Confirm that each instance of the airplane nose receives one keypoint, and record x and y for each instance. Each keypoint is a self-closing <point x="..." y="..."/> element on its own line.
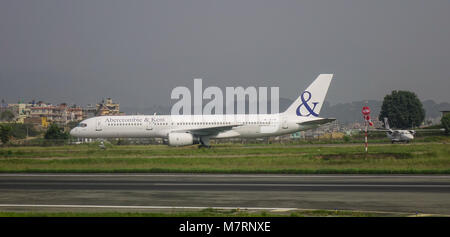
<point x="72" y="132"/>
<point x="409" y="137"/>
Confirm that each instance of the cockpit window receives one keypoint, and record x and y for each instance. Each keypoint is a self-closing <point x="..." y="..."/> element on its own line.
<point x="83" y="125"/>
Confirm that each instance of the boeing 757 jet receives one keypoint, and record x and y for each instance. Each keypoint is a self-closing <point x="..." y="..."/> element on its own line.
<point x="184" y="130"/>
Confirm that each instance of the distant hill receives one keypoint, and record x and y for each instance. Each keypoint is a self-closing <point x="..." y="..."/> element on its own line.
<point x="433" y="110"/>
<point x="343" y="112"/>
<point x="351" y="112"/>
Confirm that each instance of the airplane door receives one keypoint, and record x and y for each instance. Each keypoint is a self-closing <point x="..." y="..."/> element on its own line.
<point x="98" y="124"/>
<point x="284" y="124"/>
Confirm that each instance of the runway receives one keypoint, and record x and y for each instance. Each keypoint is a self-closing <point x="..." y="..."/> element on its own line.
<point x="140" y="192"/>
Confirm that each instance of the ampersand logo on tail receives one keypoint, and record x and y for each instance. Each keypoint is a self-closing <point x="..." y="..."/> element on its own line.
<point x="306" y="105"/>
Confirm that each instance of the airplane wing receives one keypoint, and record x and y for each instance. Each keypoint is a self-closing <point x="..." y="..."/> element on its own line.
<point x="413" y="130"/>
<point x="317" y="121"/>
<point x="380" y="130"/>
<point x="209" y="131"/>
<point x="430" y="130"/>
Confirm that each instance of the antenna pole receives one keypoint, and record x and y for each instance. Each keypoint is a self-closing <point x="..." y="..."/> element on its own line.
<point x="367" y="122"/>
<point x="365" y="138"/>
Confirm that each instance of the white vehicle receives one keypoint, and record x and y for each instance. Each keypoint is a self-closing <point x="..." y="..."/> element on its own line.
<point x="184" y="130"/>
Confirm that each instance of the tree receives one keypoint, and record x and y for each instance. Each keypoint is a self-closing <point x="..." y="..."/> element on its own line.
<point x="7" y="116"/>
<point x="55" y="132"/>
<point x="5" y="133"/>
<point x="403" y="109"/>
<point x="445" y="121"/>
<point x="21" y="131"/>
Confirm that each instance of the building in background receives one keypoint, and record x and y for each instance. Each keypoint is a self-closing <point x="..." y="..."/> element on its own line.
<point x="45" y="113"/>
<point x="38" y="123"/>
<point x="41" y="113"/>
<point x="89" y="111"/>
<point x="108" y="108"/>
<point x="20" y="111"/>
<point x="104" y="108"/>
<point x="75" y="113"/>
<point x="3" y="106"/>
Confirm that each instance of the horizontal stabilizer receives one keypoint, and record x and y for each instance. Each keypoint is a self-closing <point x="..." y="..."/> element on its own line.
<point x="318" y="121"/>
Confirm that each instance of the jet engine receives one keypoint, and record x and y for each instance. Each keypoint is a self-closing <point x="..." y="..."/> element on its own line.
<point x="182" y="139"/>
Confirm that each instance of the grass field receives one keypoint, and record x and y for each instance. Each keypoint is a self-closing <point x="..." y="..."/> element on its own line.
<point x="427" y="158"/>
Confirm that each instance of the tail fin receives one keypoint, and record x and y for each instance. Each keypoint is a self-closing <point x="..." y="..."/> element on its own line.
<point x="311" y="100"/>
<point x="386" y="123"/>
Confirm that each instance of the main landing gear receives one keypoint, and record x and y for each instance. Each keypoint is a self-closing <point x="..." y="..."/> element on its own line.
<point x="204" y="143"/>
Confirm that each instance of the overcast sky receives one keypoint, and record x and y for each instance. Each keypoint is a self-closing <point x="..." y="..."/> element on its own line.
<point x="137" y="51"/>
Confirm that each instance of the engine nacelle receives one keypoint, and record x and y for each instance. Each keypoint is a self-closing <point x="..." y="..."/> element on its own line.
<point x="182" y="139"/>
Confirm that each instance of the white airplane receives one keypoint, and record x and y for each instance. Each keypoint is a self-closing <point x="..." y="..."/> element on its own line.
<point x="398" y="135"/>
<point x="184" y="130"/>
<point x="404" y="135"/>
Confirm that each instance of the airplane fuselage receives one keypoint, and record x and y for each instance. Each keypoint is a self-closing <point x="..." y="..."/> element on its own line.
<point x="182" y="130"/>
<point x="400" y="135"/>
<point x="141" y="126"/>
